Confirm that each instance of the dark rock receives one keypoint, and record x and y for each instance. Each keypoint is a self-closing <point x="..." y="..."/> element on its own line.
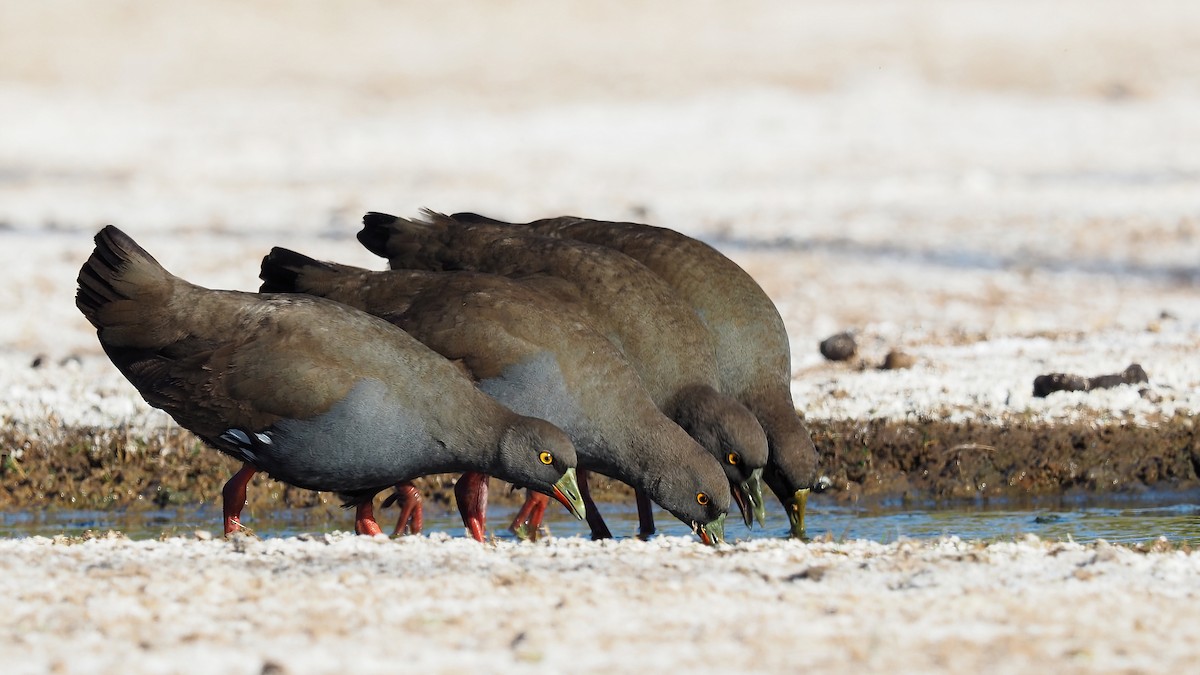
<point x="1043" y="385"/>
<point x="839" y="347"/>
<point x="1134" y="374"/>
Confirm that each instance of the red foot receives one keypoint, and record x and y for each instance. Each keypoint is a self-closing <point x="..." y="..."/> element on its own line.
<point x="471" y="491"/>
<point x="412" y="513"/>
<point x="364" y="520"/>
<point x="645" y="515"/>
<point x="234" y="497"/>
<point x="529" y="518"/>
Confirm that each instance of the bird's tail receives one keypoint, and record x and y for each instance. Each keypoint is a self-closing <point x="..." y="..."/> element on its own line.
<point x="377" y="231"/>
<point x="286" y="271"/>
<point x="119" y="287"/>
<point x="418" y="243"/>
<point x="476" y="219"/>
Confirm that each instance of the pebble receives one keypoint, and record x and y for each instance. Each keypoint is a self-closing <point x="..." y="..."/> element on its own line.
<point x="840" y="347"/>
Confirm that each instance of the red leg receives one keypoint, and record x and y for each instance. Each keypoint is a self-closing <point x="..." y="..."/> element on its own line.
<point x="364" y="520"/>
<point x="599" y="528"/>
<point x="412" y="513"/>
<point x="523" y="525"/>
<point x="538" y="514"/>
<point x="645" y="515"/>
<point x="471" y="492"/>
<point x="234" y="497"/>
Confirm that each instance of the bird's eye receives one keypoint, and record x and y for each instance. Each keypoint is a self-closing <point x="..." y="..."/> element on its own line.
<point x="701" y="499"/>
<point x="546" y="458"/>
<point x="733" y="458"/>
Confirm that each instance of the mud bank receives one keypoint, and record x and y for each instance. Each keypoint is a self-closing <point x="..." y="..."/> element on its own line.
<point x="88" y="468"/>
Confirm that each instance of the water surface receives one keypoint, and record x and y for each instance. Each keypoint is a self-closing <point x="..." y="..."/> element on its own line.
<point x="1126" y="519"/>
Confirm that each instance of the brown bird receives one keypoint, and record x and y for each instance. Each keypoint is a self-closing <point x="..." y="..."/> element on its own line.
<point x="752" y="348"/>
<point x="315" y="393"/>
<point x="537" y="356"/>
<point x="659" y="335"/>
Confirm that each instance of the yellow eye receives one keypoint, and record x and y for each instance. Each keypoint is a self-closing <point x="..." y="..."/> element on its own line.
<point x="733" y="458"/>
<point x="546" y="457"/>
<point x="701" y="499"/>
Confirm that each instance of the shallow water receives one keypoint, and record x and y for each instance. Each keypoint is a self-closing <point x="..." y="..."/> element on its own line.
<point x="1127" y="519"/>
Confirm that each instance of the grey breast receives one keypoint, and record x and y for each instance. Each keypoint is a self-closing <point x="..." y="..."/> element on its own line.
<point x="537" y="387"/>
<point x="365" y="440"/>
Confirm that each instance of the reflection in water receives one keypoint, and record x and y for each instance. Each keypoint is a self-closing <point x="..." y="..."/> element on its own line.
<point x="1126" y="519"/>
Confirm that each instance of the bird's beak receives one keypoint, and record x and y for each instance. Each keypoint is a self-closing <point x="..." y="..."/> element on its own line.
<point x="566" y="490"/>
<point x="796" y="507"/>
<point x="753" y="489"/>
<point x="748" y="495"/>
<point x="713" y="533"/>
<point x="738" y="490"/>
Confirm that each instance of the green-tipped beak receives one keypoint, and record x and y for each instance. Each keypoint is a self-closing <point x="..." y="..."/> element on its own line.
<point x="796" y="507"/>
<point x="752" y="486"/>
<point x="713" y="533"/>
<point x="566" y="490"/>
<point x="748" y="497"/>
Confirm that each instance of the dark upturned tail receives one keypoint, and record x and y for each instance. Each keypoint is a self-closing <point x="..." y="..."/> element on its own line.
<point x="282" y="269"/>
<point x="118" y="287"/>
<point x="377" y="230"/>
<point x="476" y="219"/>
<point x="417" y="243"/>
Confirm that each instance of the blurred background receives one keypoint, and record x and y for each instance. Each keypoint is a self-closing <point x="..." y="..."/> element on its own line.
<point x="258" y="114"/>
<point x="940" y="167"/>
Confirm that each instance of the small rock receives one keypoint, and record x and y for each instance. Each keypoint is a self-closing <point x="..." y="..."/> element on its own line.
<point x="38" y="361"/>
<point x="839" y="347"/>
<point x="202" y="535"/>
<point x="1134" y="374"/>
<point x="1044" y="385"/>
<point x="898" y="360"/>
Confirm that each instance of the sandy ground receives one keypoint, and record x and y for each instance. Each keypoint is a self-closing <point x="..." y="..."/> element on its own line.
<point x="449" y="605"/>
<point x="1001" y="189"/>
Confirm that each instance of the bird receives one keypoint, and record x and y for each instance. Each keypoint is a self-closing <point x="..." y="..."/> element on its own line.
<point x="314" y="393"/>
<point x="538" y="356"/>
<point x="661" y="337"/>
<point x="752" y="346"/>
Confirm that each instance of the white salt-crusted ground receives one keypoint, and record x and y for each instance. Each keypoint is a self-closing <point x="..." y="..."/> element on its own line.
<point x="1001" y="189"/>
<point x="344" y="603"/>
